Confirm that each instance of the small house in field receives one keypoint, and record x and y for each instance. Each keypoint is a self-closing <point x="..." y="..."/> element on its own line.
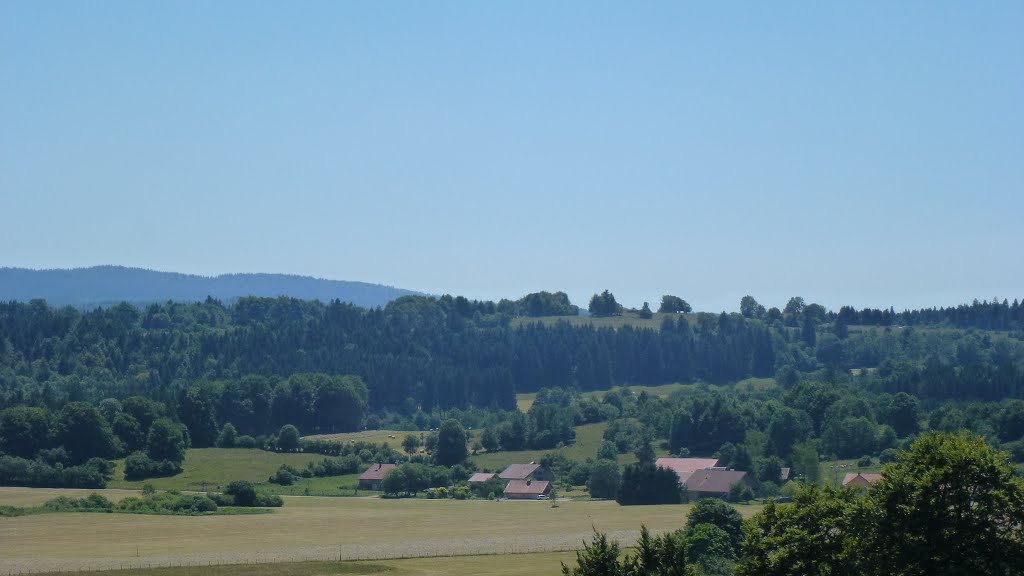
<point x="860" y="480"/>
<point x="373" y="478"/>
<point x="684" y="467"/>
<point x="713" y="482"/>
<point x="480" y="477"/>
<point x="529" y="471"/>
<point x="527" y="489"/>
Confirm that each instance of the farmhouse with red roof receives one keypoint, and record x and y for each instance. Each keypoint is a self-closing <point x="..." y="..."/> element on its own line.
<point x="713" y="482"/>
<point x="521" y="472"/>
<point x="860" y="480"/>
<point x="373" y="477"/>
<point x="527" y="489"/>
<point x="684" y="467"/>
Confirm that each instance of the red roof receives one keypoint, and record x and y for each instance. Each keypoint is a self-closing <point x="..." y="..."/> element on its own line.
<point x="518" y="471"/>
<point x="481" y="477"/>
<point x="683" y="467"/>
<point x="377" y="472"/>
<point x="529" y="487"/>
<point x="713" y="481"/>
<point x="861" y="479"/>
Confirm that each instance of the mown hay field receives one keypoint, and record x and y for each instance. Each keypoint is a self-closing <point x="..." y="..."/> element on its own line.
<point x="540" y="564"/>
<point x="310" y="528"/>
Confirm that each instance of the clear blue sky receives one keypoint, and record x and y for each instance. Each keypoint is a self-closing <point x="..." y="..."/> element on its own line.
<point x="869" y="153"/>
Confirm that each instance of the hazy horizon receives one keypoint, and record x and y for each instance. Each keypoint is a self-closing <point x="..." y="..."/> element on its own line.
<point x="581" y="301"/>
<point x="862" y="154"/>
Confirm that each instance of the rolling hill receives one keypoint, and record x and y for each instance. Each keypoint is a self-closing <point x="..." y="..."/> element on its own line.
<point x="105" y="285"/>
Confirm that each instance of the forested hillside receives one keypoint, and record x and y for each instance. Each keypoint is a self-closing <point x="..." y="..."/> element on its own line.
<point x="126" y="377"/>
<point x="110" y="285"/>
<point x="451" y="352"/>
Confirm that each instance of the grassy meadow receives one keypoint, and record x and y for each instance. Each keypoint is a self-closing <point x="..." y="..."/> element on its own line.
<point x="207" y="468"/>
<point x="588" y="441"/>
<point x="616" y="322"/>
<point x="311" y="528"/>
<point x="391" y="437"/>
<point x="525" y="400"/>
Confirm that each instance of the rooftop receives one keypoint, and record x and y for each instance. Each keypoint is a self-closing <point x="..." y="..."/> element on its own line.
<point x="532" y="487"/>
<point x="377" y="472"/>
<point x="713" y="481"/>
<point x="683" y="467"/>
<point x="864" y="478"/>
<point x="518" y="471"/>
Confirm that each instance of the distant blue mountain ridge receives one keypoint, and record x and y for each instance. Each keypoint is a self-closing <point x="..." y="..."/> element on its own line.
<point x="107" y="285"/>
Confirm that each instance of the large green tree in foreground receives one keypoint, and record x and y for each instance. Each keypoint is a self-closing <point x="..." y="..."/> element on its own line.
<point x="950" y="505"/>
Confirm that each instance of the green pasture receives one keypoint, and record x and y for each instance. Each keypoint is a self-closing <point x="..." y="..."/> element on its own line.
<point x="207" y="468"/>
<point x="346" y="485"/>
<point x="616" y="322"/>
<point x="588" y="441"/>
<point x="525" y="400"/>
<point x="391" y="437"/>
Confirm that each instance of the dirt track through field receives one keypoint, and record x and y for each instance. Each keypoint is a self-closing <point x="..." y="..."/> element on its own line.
<point x="317" y="528"/>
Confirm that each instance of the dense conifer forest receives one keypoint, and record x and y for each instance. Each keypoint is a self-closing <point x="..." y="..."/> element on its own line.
<point x="450" y="352"/>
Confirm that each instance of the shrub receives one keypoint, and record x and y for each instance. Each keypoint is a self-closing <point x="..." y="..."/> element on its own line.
<point x="228" y="436"/>
<point x="888" y="455"/>
<point x="288" y="438"/>
<point x="740" y="492"/>
<point x="335" y="466"/>
<point x="866" y="461"/>
<point x="38" y="474"/>
<point x="284" y="476"/>
<point x="491" y="489"/>
<point x="194" y="504"/>
<point x="138" y="466"/>
<point x="768" y="490"/>
<point x="245" y="442"/>
<point x="221" y="499"/>
<point x="243" y="493"/>
<point x="268" y="500"/>
<point x="171" y="502"/>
